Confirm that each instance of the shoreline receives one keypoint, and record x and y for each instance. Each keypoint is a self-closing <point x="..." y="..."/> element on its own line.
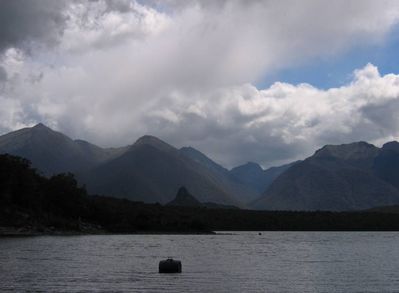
<point x="26" y="232"/>
<point x="6" y="232"/>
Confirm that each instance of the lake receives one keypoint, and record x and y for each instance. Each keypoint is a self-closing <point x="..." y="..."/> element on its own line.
<point x="231" y="262"/>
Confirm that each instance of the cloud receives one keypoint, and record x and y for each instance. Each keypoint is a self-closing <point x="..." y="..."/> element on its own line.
<point x="114" y="70"/>
<point x="3" y="75"/>
<point x="24" y="22"/>
<point x="100" y="24"/>
<point x="283" y="122"/>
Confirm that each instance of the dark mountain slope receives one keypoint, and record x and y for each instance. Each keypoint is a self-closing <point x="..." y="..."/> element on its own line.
<point x="252" y="175"/>
<point x="202" y="159"/>
<point x="52" y="152"/>
<point x="49" y="151"/>
<point x="386" y="164"/>
<point x="152" y="171"/>
<point x="97" y="154"/>
<point x="335" y="178"/>
<point x="358" y="154"/>
<point x="240" y="190"/>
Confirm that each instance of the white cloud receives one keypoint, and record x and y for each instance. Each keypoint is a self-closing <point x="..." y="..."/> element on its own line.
<point x="121" y="69"/>
<point x="284" y="121"/>
<point x="99" y="24"/>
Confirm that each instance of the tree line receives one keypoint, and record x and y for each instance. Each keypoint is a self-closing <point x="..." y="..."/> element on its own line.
<point x="31" y="201"/>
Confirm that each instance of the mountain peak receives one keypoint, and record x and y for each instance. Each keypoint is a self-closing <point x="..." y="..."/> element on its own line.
<point x="154" y="142"/>
<point x="184" y="198"/>
<point x="40" y="126"/>
<point x="41" y="129"/>
<point x="183" y="192"/>
<point x="355" y="150"/>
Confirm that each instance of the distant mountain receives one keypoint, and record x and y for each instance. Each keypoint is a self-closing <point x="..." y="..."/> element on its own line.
<point x="335" y="178"/>
<point x="252" y="175"/>
<point x="151" y="171"/>
<point x="353" y="176"/>
<point x="53" y="152"/>
<point x="239" y="189"/>
<point x="98" y="154"/>
<point x="358" y="154"/>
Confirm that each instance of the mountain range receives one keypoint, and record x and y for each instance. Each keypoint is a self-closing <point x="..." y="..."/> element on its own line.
<point x="149" y="170"/>
<point x="52" y="152"/>
<point x="337" y="177"/>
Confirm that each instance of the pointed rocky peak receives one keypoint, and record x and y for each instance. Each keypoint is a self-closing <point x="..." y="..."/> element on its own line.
<point x="392" y="146"/>
<point x="21" y="137"/>
<point x="40" y="126"/>
<point x="41" y="131"/>
<point x="154" y="142"/>
<point x="183" y="193"/>
<point x="184" y="198"/>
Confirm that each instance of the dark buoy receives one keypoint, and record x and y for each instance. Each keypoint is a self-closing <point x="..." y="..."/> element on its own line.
<point x="169" y="266"/>
<point x="259" y="233"/>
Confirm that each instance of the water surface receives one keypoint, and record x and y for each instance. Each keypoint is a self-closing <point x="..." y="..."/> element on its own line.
<point x="240" y="262"/>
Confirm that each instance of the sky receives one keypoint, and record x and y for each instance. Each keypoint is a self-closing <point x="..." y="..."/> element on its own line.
<point x="263" y="81"/>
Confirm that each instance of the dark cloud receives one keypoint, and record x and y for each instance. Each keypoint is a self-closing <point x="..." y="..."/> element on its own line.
<point x="22" y="22"/>
<point x="122" y="6"/>
<point x="3" y="74"/>
<point x="383" y="115"/>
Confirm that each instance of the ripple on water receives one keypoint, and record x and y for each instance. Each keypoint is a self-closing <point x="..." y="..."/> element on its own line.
<point x="230" y="262"/>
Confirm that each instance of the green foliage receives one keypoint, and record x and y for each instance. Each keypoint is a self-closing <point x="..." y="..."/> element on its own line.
<point x="64" y="197"/>
<point x="27" y="198"/>
<point x="19" y="183"/>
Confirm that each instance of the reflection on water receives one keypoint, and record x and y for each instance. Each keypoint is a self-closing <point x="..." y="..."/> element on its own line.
<point x="241" y="262"/>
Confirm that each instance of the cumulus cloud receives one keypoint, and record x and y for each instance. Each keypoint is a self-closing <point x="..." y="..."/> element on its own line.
<point x="102" y="24"/>
<point x="185" y="71"/>
<point x="283" y="122"/>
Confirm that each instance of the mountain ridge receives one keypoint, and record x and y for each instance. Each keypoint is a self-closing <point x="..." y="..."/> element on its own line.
<point x="349" y="176"/>
<point x="53" y="152"/>
<point x="337" y="178"/>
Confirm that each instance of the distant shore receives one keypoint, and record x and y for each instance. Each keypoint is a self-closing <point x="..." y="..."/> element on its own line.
<point x="27" y="231"/>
